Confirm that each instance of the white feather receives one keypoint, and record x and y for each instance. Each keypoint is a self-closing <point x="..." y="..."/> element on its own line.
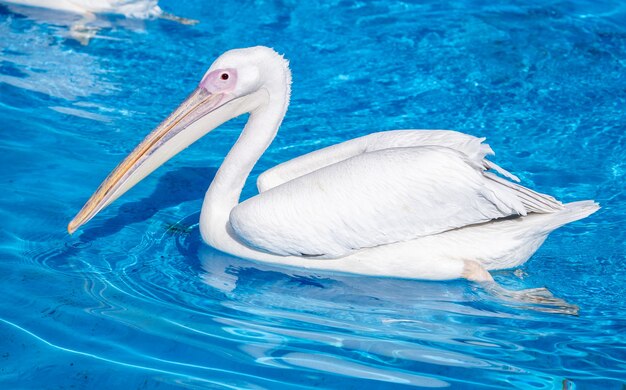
<point x="132" y="8"/>
<point x="469" y="145"/>
<point x="376" y="198"/>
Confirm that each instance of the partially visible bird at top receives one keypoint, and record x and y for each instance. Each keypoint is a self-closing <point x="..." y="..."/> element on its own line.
<point x="83" y="29"/>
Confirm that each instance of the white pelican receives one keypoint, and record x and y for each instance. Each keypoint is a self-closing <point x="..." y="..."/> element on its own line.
<point x="83" y="28"/>
<point x="418" y="204"/>
<point x="141" y="9"/>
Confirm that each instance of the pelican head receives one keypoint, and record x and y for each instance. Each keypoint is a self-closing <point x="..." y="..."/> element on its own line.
<point x="238" y="82"/>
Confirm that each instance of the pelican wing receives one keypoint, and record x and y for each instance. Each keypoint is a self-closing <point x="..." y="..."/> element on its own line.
<point x="380" y="197"/>
<point x="472" y="147"/>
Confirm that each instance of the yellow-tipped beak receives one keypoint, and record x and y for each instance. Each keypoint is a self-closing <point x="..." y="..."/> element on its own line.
<point x="183" y="127"/>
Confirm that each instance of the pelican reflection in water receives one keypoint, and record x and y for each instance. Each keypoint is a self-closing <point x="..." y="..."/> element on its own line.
<point x="419" y="204"/>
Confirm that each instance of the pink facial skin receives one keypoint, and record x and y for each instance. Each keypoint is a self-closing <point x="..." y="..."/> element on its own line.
<point x="220" y="81"/>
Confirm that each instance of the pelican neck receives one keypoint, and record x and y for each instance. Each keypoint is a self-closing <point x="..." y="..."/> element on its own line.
<point x="225" y="190"/>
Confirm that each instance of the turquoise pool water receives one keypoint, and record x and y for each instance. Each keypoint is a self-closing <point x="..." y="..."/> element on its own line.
<point x="135" y="300"/>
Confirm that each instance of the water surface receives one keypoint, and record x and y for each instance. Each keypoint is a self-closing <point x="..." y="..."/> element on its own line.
<point x="134" y="299"/>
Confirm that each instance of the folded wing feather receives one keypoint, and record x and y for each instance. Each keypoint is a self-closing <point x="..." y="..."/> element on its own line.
<point x="382" y="192"/>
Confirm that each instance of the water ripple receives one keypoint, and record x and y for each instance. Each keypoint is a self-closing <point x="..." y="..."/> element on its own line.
<point x="136" y="300"/>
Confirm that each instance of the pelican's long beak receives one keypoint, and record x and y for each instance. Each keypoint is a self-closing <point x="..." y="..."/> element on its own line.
<point x="200" y="113"/>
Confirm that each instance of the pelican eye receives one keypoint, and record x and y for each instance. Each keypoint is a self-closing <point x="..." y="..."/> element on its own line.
<point x="224" y="76"/>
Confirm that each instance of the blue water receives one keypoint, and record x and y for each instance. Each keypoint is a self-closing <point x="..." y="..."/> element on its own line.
<point x="135" y="300"/>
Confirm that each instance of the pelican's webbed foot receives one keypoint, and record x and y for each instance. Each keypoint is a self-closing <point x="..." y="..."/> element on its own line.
<point x="540" y="299"/>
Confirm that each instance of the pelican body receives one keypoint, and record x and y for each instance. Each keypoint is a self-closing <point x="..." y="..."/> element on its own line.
<point x="420" y="204"/>
<point x="136" y="9"/>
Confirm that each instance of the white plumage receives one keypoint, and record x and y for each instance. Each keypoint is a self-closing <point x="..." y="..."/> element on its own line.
<point x="406" y="203"/>
<point x="81" y="16"/>
<point x="372" y="199"/>
<point x="132" y="8"/>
